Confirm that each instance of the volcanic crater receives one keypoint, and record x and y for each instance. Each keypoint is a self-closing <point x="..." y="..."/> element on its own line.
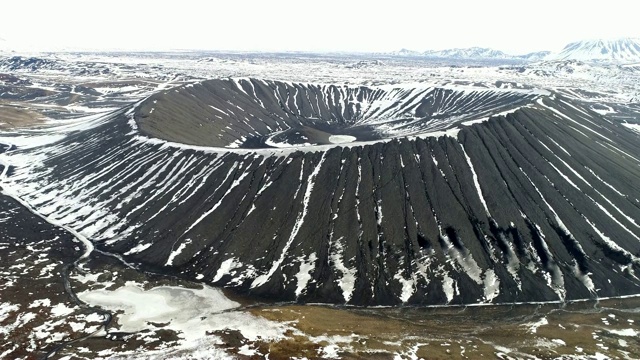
<point x="254" y="113"/>
<point x="387" y="195"/>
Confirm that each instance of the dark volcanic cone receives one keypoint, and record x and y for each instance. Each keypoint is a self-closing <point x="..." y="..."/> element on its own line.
<point x="425" y="206"/>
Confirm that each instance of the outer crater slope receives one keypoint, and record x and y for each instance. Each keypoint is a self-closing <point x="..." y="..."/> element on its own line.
<point x="447" y="196"/>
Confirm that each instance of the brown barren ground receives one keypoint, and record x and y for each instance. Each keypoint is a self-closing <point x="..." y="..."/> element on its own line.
<point x="15" y="116"/>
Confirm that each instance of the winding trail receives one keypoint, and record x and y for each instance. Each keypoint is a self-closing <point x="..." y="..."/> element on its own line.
<point x="108" y="316"/>
<point x="67" y="269"/>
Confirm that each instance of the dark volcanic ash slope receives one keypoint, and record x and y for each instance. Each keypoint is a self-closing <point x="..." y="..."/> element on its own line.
<point x="257" y="113"/>
<point x="538" y="204"/>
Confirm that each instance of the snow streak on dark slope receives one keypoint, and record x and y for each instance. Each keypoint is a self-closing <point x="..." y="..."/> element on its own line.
<point x="247" y="112"/>
<point x="540" y="204"/>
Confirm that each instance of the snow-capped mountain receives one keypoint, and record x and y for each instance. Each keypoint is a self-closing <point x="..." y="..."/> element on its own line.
<point x="621" y="50"/>
<point x="467" y="53"/>
<point x="472" y="53"/>
<point x="534" y="56"/>
<point x="406" y="52"/>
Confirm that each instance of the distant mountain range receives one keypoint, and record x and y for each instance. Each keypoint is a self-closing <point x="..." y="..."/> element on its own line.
<point x="624" y="50"/>
<point x="472" y="53"/>
<point x="621" y="50"/>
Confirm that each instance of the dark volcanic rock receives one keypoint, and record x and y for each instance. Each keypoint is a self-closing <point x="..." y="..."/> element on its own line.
<point x="539" y="204"/>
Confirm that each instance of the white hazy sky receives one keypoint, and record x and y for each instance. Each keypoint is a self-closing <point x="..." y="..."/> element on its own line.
<point x="329" y="25"/>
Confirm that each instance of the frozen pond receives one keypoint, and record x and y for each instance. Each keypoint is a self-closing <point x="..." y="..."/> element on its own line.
<point x="193" y="312"/>
<point x="341" y="139"/>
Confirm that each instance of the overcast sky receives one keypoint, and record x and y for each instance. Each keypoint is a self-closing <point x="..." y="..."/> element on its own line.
<point x="329" y="25"/>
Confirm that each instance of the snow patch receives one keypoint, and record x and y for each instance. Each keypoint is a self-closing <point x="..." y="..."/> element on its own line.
<point x="225" y="268"/>
<point x="348" y="280"/>
<point x="341" y="139"/>
<point x="138" y="248"/>
<point x="6" y="309"/>
<point x="533" y="327"/>
<point x="625" y="332"/>
<point x="177" y="252"/>
<point x="408" y="286"/>
<point x="491" y="285"/>
<point x="61" y="310"/>
<point x="304" y="274"/>
<point x="475" y="181"/>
